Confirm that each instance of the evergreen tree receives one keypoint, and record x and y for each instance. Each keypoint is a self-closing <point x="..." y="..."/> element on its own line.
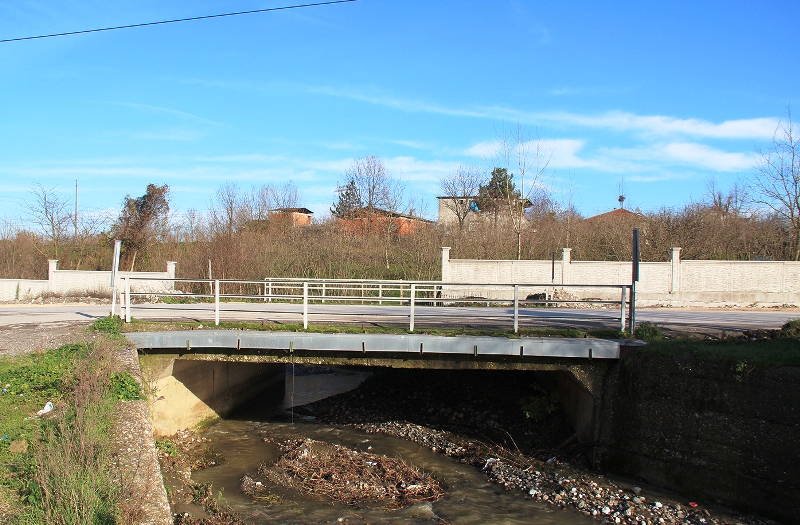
<point x="498" y="191"/>
<point x="349" y="200"/>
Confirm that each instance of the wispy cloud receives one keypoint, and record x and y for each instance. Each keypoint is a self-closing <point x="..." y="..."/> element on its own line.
<point x="167" y="111"/>
<point x="614" y="120"/>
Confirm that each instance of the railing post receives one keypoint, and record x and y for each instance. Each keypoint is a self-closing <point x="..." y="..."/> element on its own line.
<point x="632" y="321"/>
<point x="270" y="290"/>
<point x="380" y="294"/>
<point x="265" y="290"/>
<point x="127" y="299"/>
<point x="305" y="305"/>
<point x="216" y="302"/>
<point x="323" y="293"/>
<point x="411" y="303"/>
<point x="516" y="308"/>
<point x="622" y="309"/>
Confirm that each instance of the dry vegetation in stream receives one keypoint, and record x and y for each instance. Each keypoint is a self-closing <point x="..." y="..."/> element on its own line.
<point x="348" y="476"/>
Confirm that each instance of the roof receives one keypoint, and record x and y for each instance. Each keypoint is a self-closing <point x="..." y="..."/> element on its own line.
<point x="379" y="211"/>
<point x="294" y="210"/>
<point x="617" y="214"/>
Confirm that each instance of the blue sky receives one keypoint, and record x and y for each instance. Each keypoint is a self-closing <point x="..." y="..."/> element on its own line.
<point x="663" y="95"/>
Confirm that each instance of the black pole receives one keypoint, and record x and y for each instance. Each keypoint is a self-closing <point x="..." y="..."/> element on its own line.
<point x="634" y="277"/>
<point x="553" y="275"/>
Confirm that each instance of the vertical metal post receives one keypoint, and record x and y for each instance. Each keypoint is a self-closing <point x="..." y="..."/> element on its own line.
<point x="270" y="290"/>
<point x="516" y="308"/>
<point x="380" y="294"/>
<point x="127" y="299"/>
<point x="305" y="305"/>
<point x="265" y="290"/>
<point x="216" y="302"/>
<point x="634" y="277"/>
<point x="114" y="270"/>
<point x="411" y="310"/>
<point x="622" y="309"/>
<point x="323" y="293"/>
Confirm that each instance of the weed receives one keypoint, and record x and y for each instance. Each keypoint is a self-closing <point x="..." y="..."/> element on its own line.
<point x="110" y="325"/>
<point x="124" y="387"/>
<point x="648" y="332"/>
<point x="167" y="446"/>
<point x="791" y="329"/>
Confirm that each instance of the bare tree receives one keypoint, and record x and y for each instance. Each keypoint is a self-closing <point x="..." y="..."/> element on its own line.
<point x="230" y="208"/>
<point x="776" y="184"/>
<point x="49" y="214"/>
<point x="459" y="189"/>
<point x="530" y="157"/>
<point x="271" y="197"/>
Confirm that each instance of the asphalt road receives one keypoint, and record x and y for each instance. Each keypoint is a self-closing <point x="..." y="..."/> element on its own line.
<point x="677" y="319"/>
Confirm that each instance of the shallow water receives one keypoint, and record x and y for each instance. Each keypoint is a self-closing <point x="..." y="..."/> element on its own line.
<point x="469" y="497"/>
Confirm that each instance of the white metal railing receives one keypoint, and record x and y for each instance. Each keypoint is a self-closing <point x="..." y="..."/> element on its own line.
<point x="410" y="294"/>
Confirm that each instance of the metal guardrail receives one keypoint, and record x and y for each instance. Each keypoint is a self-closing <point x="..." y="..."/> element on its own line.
<point x="410" y="294"/>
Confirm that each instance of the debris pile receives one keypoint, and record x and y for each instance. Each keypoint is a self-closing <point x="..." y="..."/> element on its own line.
<point x="348" y="476"/>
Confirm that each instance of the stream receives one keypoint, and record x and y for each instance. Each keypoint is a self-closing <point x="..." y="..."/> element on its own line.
<point x="469" y="498"/>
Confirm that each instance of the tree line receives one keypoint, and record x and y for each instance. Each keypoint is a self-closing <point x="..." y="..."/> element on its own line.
<point x="244" y="234"/>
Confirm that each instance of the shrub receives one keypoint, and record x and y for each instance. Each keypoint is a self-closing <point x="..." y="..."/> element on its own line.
<point x="110" y="325"/>
<point x="648" y="332"/>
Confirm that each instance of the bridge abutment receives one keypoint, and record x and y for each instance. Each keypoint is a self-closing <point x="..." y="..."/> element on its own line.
<point x="184" y="393"/>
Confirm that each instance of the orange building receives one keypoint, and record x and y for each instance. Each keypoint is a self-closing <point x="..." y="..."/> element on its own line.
<point x="376" y="220"/>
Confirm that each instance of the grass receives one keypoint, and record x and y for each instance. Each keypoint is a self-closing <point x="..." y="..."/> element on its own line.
<point x="767" y="352"/>
<point x="148" y="326"/>
<point x="55" y="469"/>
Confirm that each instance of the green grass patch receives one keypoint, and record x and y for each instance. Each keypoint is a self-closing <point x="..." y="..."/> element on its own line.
<point x="55" y="468"/>
<point x="765" y="352"/>
<point x="109" y="325"/>
<point x="124" y="387"/>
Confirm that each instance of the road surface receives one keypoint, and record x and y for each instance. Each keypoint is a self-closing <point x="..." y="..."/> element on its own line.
<point x="675" y="319"/>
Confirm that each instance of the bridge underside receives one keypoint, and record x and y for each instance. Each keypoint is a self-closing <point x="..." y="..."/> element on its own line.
<point x="561" y="365"/>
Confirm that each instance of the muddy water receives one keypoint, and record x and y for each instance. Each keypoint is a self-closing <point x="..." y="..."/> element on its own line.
<point x="469" y="498"/>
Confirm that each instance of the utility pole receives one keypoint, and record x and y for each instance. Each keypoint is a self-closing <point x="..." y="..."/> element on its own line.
<point x="76" y="210"/>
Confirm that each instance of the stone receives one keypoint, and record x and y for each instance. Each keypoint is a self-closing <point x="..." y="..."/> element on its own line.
<point x="636" y="490"/>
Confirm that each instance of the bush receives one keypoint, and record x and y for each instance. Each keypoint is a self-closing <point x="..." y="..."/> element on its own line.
<point x="124" y="387"/>
<point x="109" y="325"/>
<point x="791" y="329"/>
<point x="648" y="332"/>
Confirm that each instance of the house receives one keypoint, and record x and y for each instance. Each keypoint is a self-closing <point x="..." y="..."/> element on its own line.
<point x="297" y="216"/>
<point x="618" y="215"/>
<point x="376" y="220"/>
<point x="466" y="207"/>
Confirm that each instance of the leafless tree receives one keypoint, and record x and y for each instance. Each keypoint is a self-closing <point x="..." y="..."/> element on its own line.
<point x="530" y="158"/>
<point x="776" y="184"/>
<point x="229" y="209"/>
<point x="48" y="212"/>
<point x="270" y="197"/>
<point x="459" y="190"/>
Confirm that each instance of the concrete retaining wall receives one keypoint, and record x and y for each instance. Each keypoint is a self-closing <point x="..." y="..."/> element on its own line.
<point x="80" y="282"/>
<point x="671" y="283"/>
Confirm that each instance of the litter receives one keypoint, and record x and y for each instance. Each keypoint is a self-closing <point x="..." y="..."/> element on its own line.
<point x="48" y="407"/>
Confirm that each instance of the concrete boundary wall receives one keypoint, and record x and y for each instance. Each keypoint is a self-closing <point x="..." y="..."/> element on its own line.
<point x="671" y="283"/>
<point x="81" y="282"/>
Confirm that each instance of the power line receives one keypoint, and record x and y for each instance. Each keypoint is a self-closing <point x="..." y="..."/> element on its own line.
<point x="190" y="19"/>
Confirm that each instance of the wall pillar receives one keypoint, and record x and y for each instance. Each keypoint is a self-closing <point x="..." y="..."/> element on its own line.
<point x="675" y="271"/>
<point x="566" y="259"/>
<point x="171" y="269"/>
<point x="52" y="266"/>
<point x="445" y="264"/>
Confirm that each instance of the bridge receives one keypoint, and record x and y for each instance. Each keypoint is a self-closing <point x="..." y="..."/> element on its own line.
<point x="197" y="374"/>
